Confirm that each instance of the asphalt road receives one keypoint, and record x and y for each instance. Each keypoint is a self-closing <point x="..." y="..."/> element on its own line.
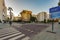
<point x="31" y="29"/>
<point x="20" y="31"/>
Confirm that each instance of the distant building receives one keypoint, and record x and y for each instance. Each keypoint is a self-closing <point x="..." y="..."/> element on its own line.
<point x="3" y="10"/>
<point x="34" y="15"/>
<point x="26" y="15"/>
<point x="42" y="16"/>
<point x="17" y="18"/>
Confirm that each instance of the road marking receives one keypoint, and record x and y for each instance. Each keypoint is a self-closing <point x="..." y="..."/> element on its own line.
<point x="26" y="38"/>
<point x="7" y="31"/>
<point x="17" y="37"/>
<point x="29" y="30"/>
<point x="10" y="36"/>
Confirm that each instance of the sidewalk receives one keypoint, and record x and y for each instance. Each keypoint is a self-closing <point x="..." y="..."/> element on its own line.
<point x="5" y="25"/>
<point x="6" y="28"/>
<point x="44" y="35"/>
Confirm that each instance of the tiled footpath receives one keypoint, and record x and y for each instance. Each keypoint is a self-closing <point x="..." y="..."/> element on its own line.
<point x="44" y="35"/>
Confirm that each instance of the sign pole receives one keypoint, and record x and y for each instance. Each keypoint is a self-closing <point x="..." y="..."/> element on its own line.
<point x="52" y="25"/>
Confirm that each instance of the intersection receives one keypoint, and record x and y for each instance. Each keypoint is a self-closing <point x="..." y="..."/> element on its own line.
<point x="20" y="32"/>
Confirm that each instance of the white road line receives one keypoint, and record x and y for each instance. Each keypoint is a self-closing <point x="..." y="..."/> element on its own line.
<point x="26" y="38"/>
<point x="7" y="30"/>
<point x="17" y="37"/>
<point x="10" y="36"/>
<point x="29" y="30"/>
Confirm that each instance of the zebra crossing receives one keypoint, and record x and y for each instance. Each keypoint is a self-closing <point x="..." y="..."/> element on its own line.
<point x="12" y="34"/>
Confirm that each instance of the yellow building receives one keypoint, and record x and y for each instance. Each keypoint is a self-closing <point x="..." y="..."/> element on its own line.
<point x="25" y="15"/>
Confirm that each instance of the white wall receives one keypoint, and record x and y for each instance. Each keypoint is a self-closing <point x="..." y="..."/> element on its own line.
<point x="41" y="17"/>
<point x="3" y="10"/>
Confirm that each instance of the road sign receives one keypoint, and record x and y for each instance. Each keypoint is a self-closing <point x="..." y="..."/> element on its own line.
<point x="55" y="12"/>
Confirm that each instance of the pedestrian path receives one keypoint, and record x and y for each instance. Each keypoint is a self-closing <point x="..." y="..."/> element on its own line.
<point x="12" y="34"/>
<point x="44" y="35"/>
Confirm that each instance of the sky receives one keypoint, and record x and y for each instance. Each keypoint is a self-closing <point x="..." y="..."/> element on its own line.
<point x="36" y="6"/>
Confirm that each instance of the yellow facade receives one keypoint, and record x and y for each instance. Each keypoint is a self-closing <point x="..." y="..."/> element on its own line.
<point x="25" y="15"/>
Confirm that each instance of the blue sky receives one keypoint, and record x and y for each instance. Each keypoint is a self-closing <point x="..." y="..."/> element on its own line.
<point x="35" y="6"/>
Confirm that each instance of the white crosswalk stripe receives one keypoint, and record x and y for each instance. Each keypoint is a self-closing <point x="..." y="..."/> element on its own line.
<point x="7" y="31"/>
<point x="14" y="37"/>
<point x="17" y="37"/>
<point x="10" y="36"/>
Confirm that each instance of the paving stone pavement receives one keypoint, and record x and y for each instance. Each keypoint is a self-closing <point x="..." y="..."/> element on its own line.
<point x="44" y="35"/>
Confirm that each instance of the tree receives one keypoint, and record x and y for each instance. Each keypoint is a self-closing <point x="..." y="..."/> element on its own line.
<point x="33" y="19"/>
<point x="10" y="9"/>
<point x="59" y="4"/>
